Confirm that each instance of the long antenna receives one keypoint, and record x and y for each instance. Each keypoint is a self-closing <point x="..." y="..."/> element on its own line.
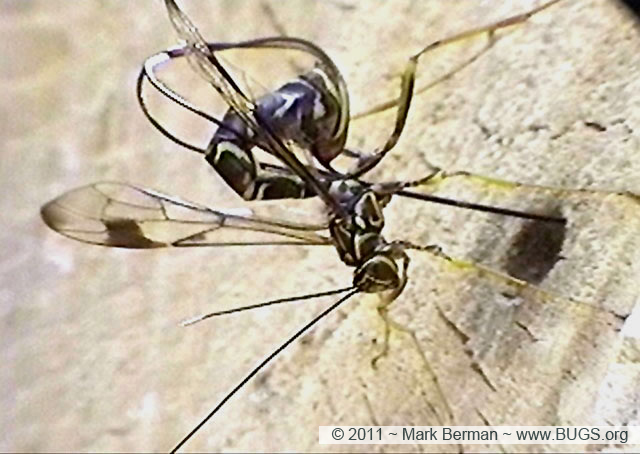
<point x="441" y="200"/>
<point x="263" y="363"/>
<point x="199" y="318"/>
<point x="480" y="207"/>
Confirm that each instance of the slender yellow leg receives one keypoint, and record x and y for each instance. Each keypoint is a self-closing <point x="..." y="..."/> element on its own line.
<point x="407" y="83"/>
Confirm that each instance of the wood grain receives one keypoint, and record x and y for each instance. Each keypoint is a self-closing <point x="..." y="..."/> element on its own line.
<point x="95" y="359"/>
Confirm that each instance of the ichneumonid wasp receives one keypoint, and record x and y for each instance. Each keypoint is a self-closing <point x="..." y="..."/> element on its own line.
<point x="121" y="215"/>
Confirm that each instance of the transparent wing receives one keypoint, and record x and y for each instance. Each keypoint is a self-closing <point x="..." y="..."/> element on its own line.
<point x="206" y="64"/>
<point x="122" y="215"/>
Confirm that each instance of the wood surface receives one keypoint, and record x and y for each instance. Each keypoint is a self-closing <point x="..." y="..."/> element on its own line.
<point x="94" y="356"/>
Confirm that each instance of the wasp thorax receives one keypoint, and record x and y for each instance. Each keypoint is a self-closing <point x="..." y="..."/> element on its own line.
<point x="377" y="274"/>
<point x="368" y="214"/>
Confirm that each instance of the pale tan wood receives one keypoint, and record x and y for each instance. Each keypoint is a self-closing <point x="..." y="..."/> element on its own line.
<point x="94" y="355"/>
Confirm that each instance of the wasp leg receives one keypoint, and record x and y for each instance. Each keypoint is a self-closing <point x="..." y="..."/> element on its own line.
<point x="398" y="247"/>
<point x="382" y="311"/>
<point x="368" y="162"/>
<point x="507" y="193"/>
<point x="398" y="250"/>
<point x="389" y="324"/>
<point x="392" y="187"/>
<point x="403" y="102"/>
<point x="488" y="29"/>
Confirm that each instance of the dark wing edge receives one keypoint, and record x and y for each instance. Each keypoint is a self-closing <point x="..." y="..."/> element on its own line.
<point x="122" y="215"/>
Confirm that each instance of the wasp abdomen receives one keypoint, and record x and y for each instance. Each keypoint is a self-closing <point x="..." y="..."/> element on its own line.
<point x="302" y="111"/>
